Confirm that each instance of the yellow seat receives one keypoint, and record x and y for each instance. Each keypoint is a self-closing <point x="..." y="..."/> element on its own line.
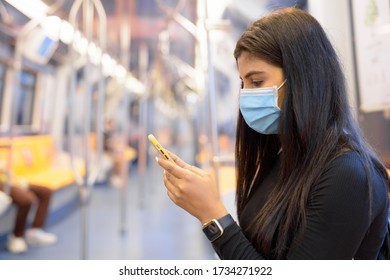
<point x="34" y="160"/>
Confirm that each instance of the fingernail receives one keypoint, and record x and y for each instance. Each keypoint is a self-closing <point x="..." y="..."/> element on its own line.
<point x="157" y="159"/>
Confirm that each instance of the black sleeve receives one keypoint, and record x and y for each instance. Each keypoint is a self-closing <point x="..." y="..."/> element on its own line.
<point x="233" y="245"/>
<point x="337" y="218"/>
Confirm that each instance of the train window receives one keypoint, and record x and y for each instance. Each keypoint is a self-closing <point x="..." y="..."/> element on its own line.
<point x="25" y="98"/>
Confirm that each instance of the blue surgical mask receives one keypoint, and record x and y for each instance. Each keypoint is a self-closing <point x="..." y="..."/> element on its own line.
<point x="259" y="107"/>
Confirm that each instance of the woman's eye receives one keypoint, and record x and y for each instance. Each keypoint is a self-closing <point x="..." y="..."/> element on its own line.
<point x="256" y="83"/>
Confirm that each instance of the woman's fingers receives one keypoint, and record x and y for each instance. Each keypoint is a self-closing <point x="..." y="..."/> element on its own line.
<point x="169" y="185"/>
<point x="172" y="168"/>
<point x="178" y="160"/>
<point x="185" y="165"/>
<point x="197" y="170"/>
<point x="192" y="189"/>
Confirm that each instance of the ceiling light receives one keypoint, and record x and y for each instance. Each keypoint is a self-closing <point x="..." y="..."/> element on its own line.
<point x="34" y="9"/>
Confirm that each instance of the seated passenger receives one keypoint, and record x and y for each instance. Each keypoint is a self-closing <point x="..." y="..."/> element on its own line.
<point x="24" y="196"/>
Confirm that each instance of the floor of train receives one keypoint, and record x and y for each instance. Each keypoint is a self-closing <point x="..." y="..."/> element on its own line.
<point x="156" y="228"/>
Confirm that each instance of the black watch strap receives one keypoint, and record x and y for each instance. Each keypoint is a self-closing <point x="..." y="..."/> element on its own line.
<point x="226" y="221"/>
<point x="216" y="227"/>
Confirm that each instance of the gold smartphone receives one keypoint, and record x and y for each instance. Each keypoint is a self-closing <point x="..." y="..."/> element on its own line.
<point x="159" y="148"/>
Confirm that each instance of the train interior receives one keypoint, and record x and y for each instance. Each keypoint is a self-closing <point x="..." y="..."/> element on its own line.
<point x="82" y="84"/>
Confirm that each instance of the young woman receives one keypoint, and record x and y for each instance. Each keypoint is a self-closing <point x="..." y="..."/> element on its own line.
<point x="308" y="186"/>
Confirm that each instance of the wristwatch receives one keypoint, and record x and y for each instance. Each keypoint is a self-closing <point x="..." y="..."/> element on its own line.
<point x="215" y="228"/>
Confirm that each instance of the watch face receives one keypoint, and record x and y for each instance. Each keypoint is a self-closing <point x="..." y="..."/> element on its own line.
<point x="213" y="230"/>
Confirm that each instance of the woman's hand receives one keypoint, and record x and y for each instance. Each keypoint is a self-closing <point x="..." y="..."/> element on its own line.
<point x="192" y="189"/>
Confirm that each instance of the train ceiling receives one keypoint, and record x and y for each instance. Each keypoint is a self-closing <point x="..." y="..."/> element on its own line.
<point x="144" y="19"/>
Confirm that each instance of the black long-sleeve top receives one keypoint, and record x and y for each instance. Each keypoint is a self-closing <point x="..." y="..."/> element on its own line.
<point x="337" y="225"/>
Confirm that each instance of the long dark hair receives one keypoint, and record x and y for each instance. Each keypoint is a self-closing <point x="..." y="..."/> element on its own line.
<point x="316" y="125"/>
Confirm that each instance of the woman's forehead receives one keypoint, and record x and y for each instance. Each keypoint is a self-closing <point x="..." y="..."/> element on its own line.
<point x="248" y="62"/>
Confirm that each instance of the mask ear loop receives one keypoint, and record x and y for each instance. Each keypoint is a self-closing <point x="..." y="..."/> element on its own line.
<point x="277" y="93"/>
<point x="282" y="84"/>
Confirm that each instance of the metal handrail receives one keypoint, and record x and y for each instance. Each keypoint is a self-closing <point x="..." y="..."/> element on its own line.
<point x="86" y="181"/>
<point x="201" y="33"/>
<point x="124" y="42"/>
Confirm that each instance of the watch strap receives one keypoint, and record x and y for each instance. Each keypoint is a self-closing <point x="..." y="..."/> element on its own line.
<point x="226" y="221"/>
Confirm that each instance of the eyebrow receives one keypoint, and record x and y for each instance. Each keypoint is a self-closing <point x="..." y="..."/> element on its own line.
<point x="253" y="72"/>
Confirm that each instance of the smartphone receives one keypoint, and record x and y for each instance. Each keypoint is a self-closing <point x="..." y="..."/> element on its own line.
<point x="159" y="148"/>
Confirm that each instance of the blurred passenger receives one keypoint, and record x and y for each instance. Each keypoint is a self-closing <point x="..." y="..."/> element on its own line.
<point x="308" y="186"/>
<point x="23" y="197"/>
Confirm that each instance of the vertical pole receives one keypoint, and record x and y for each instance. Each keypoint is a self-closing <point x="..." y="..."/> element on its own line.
<point x="71" y="124"/>
<point x="17" y="65"/>
<point x="86" y="182"/>
<point x="84" y="190"/>
<point x="101" y="90"/>
<point x="143" y="123"/>
<point x="210" y="80"/>
<point x="124" y="38"/>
